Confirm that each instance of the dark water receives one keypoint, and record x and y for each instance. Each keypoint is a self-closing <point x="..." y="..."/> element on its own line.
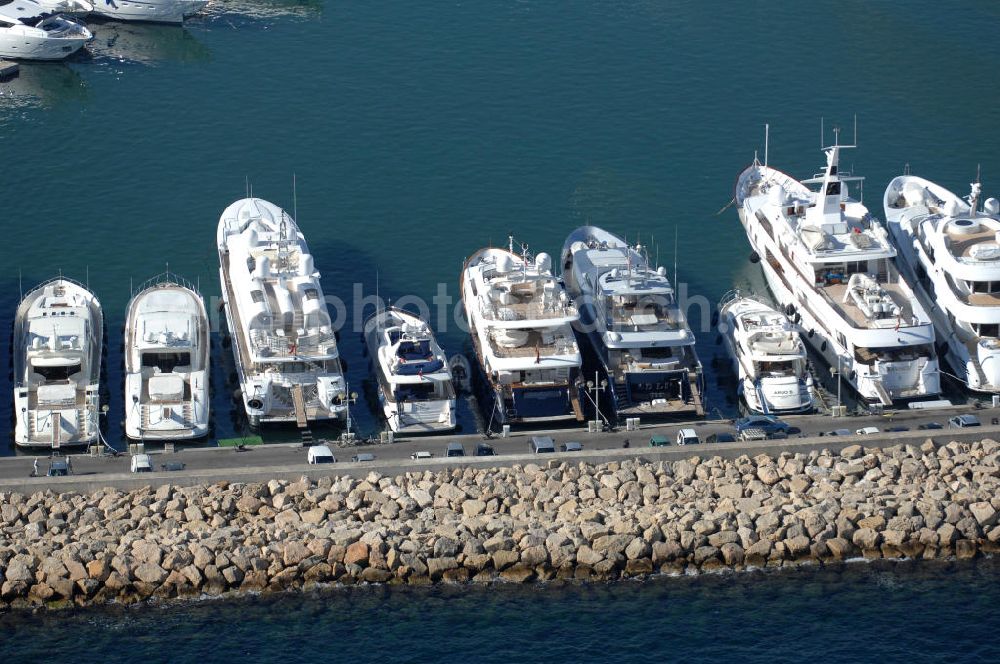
<point x="926" y="612"/>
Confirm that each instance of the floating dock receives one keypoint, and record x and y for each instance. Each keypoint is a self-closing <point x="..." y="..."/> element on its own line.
<point x="8" y="69"/>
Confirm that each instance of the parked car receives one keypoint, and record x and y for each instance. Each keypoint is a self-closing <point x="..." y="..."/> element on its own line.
<point x="839" y="432"/>
<point x="720" y="438"/>
<point x="896" y="429"/>
<point x="687" y="437"/>
<point x="769" y="423"/>
<point x="926" y="426"/>
<point x="658" y="441"/>
<point x="455" y="450"/>
<point x="58" y="467"/>
<point x="963" y="422"/>
<point x="364" y="456"/>
<point x="141" y="463"/>
<point x="866" y="431"/>
<point x="484" y="449"/>
<point x="320" y="454"/>
<point x="571" y="447"/>
<point x="542" y="445"/>
<point x="752" y="434"/>
<point x="421" y="455"/>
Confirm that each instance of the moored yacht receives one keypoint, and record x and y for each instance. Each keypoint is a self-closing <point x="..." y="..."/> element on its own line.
<point x="830" y="266"/>
<point x="166" y="362"/>
<point x="151" y="11"/>
<point x="768" y="356"/>
<point x="285" y="348"/>
<point x="30" y="31"/>
<point x="414" y="380"/>
<point x="950" y="250"/>
<point x="58" y="346"/>
<point x="519" y="317"/>
<point x="629" y="312"/>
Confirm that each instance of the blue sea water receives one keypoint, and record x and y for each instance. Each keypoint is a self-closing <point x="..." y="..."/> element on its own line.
<point x="418" y="132"/>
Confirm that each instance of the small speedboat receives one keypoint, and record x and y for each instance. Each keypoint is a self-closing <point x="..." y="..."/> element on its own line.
<point x="31" y="31"/>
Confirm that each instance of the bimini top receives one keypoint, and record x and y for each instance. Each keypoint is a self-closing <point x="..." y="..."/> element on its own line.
<point x="406" y="346"/>
<point x="766" y="333"/>
<point x="167" y="317"/>
<point x="59" y="324"/>
<point x="275" y="285"/>
<point x="829" y="225"/>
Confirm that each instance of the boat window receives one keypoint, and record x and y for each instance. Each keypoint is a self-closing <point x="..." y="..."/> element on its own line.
<point x="984" y="286"/>
<point x="166" y="362"/>
<point x="833" y="189"/>
<point x="257" y="295"/>
<point x="777" y="368"/>
<point x="312" y="294"/>
<point x="251" y="264"/>
<point x="414" y="392"/>
<point x="658" y="352"/>
<point x="414" y="350"/>
<point x="51" y="374"/>
<point x="987" y="329"/>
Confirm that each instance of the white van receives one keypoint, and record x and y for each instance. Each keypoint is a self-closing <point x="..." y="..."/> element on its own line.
<point x="542" y="445"/>
<point x="141" y="463"/>
<point x="687" y="437"/>
<point x="320" y="454"/>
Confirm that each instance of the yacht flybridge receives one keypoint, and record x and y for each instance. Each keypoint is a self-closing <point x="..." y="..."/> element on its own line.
<point x="152" y="11"/>
<point x="629" y="312"/>
<point x="519" y="317"/>
<point x="166" y="362"/>
<point x="414" y="380"/>
<point x="768" y="356"/>
<point x="58" y="345"/>
<point x="30" y="31"/>
<point x="829" y="264"/>
<point x="950" y="250"/>
<point x="282" y="339"/>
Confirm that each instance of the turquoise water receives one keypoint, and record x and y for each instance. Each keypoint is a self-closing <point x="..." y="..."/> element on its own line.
<point x="420" y="131"/>
<point x="931" y="612"/>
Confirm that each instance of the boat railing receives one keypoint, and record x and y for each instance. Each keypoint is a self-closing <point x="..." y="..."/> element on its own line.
<point x="275" y="345"/>
<point x="166" y="278"/>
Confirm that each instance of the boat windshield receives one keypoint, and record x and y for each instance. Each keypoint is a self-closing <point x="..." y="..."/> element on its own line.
<point x="166" y="362"/>
<point x="415" y="392"/>
<point x="57" y="373"/>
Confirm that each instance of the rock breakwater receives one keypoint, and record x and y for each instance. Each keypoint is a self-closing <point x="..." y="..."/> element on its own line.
<point x="558" y="520"/>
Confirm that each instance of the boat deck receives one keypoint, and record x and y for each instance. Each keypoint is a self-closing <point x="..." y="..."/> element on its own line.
<point x="961" y="244"/>
<point x="534" y="345"/>
<point x="850" y="311"/>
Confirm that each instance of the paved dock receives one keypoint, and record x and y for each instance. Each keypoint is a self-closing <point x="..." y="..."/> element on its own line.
<point x="288" y="461"/>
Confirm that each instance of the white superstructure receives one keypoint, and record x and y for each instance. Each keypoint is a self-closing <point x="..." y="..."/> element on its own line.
<point x="284" y="345"/>
<point x="151" y="11"/>
<point x="768" y="356"/>
<point x="166" y="362"/>
<point x="629" y="311"/>
<point x="414" y="380"/>
<point x="31" y="31"/>
<point x="519" y="317"/>
<point x="829" y="264"/>
<point x="58" y="345"/>
<point x="950" y="250"/>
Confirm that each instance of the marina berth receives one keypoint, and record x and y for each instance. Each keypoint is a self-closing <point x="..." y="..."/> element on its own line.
<point x="282" y="338"/>
<point x="151" y="11"/>
<point x="520" y="319"/>
<point x="415" y="386"/>
<point x="31" y="31"/>
<point x="950" y="250"/>
<point x="629" y="313"/>
<point x="166" y="362"/>
<point x="830" y="266"/>
<point x="58" y="347"/>
<point x="768" y="356"/>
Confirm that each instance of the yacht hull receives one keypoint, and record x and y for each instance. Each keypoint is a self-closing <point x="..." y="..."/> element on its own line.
<point x="27" y="47"/>
<point x="149" y="11"/>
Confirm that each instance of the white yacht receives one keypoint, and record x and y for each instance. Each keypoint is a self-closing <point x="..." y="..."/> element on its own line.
<point x="630" y="314"/>
<point x="58" y="346"/>
<point x="829" y="264"/>
<point x="151" y="11"/>
<point x="414" y="380"/>
<point x="166" y="362"/>
<point x="950" y="250"/>
<point x="282" y="339"/>
<point x="30" y="31"/>
<point x="768" y="356"/>
<point x="520" y="319"/>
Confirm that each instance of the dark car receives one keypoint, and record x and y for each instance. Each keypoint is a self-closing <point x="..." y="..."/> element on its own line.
<point x="964" y="422"/>
<point x="930" y="425"/>
<point x="455" y="450"/>
<point x="482" y="449"/>
<point x="58" y="468"/>
<point x="897" y="429"/>
<point x="571" y="447"/>
<point x="720" y="438"/>
<point x="767" y="423"/>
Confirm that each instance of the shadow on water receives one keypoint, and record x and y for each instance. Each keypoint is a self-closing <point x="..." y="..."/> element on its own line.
<point x="42" y="84"/>
<point x="229" y="10"/>
<point x="144" y="43"/>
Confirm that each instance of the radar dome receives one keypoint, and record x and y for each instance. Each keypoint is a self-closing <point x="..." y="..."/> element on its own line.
<point x="543" y="262"/>
<point x="662" y="271"/>
<point x="913" y="193"/>
<point x="991" y="206"/>
<point x="505" y="263"/>
<point x="952" y="208"/>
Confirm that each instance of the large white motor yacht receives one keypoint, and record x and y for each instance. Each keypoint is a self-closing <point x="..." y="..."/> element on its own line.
<point x="768" y="356"/>
<point x="950" y="251"/>
<point x="30" y="31"/>
<point x="414" y="380"/>
<point x="830" y="266"/>
<point x="284" y="345"/>
<point x="166" y="362"/>
<point x="520" y="319"/>
<point x="151" y="11"/>
<point x="58" y="346"/>
<point x="629" y="312"/>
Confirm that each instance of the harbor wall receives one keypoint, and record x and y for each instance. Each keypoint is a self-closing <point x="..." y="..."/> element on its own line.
<point x="628" y="517"/>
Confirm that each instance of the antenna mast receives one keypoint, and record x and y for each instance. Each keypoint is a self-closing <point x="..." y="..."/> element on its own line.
<point x="295" y="201"/>
<point x="767" y="138"/>
<point x="675" y="260"/>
